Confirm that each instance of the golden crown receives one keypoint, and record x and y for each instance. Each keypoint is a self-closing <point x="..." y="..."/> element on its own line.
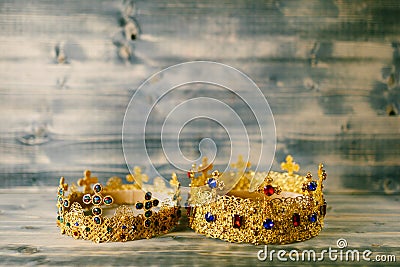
<point x="83" y="214"/>
<point x="262" y="207"/>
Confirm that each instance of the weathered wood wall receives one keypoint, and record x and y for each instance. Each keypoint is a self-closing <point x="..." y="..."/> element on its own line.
<point x="329" y="69"/>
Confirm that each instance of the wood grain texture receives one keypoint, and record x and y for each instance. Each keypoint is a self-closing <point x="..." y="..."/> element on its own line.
<point x="329" y="70"/>
<point x="28" y="235"/>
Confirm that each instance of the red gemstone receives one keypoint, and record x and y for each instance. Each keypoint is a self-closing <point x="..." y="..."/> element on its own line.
<point x="237" y="221"/>
<point x="189" y="174"/>
<point x="296" y="219"/>
<point x="269" y="190"/>
<point x="188" y="211"/>
<point x="75" y="233"/>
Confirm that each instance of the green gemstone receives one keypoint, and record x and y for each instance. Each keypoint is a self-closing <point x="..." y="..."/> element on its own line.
<point x="109" y="229"/>
<point x="87" y="229"/>
<point x="68" y="224"/>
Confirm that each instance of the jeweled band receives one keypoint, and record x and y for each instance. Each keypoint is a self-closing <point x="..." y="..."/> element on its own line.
<point x="285" y="208"/>
<point x="85" y="214"/>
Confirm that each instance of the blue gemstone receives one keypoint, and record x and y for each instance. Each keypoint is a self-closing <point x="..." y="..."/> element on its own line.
<point x="108" y="200"/>
<point x="147" y="223"/>
<point x="313" y="218"/>
<point x="139" y="205"/>
<point x="148" y="205"/>
<point x="148" y="213"/>
<point x="60" y="191"/>
<point x="97" y="188"/>
<point x="96" y="211"/>
<point x="123" y="227"/>
<point x="87" y="198"/>
<point x="76" y="224"/>
<point x="66" y="203"/>
<point x="212" y="183"/>
<point x="97" y="220"/>
<point x="268" y="224"/>
<point x="312" y="186"/>
<point x="109" y="229"/>
<point x="209" y="217"/>
<point x="96" y="200"/>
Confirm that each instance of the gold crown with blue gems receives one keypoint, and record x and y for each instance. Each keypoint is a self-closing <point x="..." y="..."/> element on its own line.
<point x="84" y="214"/>
<point x="262" y="207"/>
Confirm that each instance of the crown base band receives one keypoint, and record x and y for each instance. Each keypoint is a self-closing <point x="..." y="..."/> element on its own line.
<point x="277" y="221"/>
<point x="123" y="226"/>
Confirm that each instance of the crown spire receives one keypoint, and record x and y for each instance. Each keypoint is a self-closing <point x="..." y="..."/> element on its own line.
<point x="290" y="166"/>
<point x="87" y="181"/>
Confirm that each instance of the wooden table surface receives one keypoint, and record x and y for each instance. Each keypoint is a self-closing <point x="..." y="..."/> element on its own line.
<point x="29" y="236"/>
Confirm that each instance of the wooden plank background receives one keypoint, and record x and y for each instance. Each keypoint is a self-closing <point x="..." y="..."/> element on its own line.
<point x="329" y="69"/>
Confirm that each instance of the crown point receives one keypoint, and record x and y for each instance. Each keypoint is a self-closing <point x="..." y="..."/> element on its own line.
<point x="241" y="165"/>
<point x="215" y="173"/>
<point x="87" y="180"/>
<point x="321" y="172"/>
<point x="290" y="166"/>
<point x="137" y="177"/>
<point x="205" y="167"/>
<point x="62" y="187"/>
<point x="174" y="180"/>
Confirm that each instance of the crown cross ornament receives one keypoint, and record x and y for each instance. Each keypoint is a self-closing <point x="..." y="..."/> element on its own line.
<point x="241" y="165"/>
<point x="87" y="181"/>
<point x="290" y="166"/>
<point x="177" y="185"/>
<point x="63" y="187"/>
<point x="138" y="177"/>
<point x="174" y="180"/>
<point x="97" y="200"/>
<point x="147" y="206"/>
<point x="205" y="167"/>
